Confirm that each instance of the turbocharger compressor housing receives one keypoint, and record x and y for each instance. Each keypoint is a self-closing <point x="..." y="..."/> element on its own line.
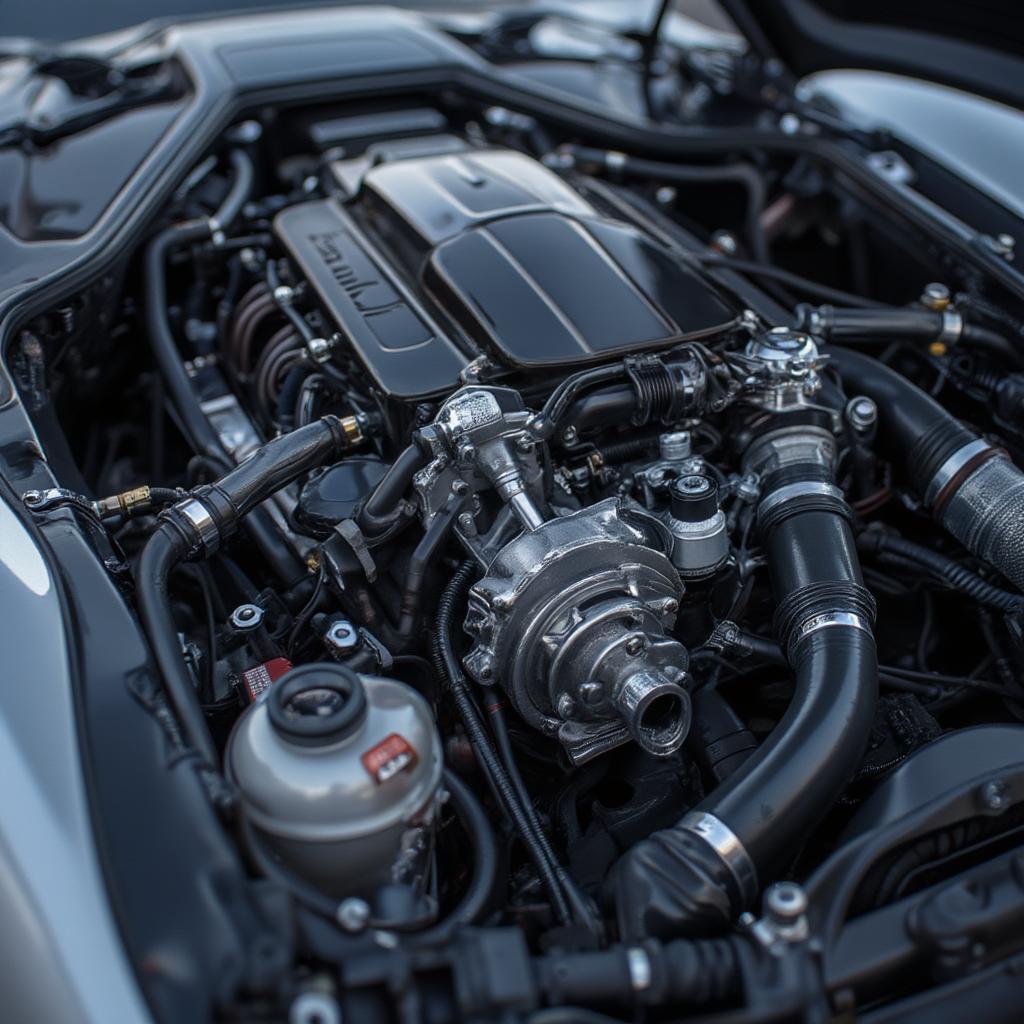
<point x="340" y="775"/>
<point x="572" y="621"/>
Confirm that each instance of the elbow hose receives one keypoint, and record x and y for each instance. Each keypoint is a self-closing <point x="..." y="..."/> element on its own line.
<point x="697" y="876"/>
<point x="972" y="488"/>
<point x="195" y="528"/>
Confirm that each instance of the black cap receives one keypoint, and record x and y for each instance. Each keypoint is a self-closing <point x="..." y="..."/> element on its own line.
<point x="318" y="704"/>
<point x="693" y="498"/>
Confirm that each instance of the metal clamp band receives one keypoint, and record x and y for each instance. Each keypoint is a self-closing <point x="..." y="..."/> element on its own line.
<point x="949" y="469"/>
<point x="727" y="845"/>
<point x="800" y="489"/>
<point x="952" y="327"/>
<point x="202" y="522"/>
<point x="826" y="620"/>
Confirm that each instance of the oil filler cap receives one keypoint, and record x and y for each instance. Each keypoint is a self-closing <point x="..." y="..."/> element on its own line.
<point x="317" y="705"/>
<point x="693" y="498"/>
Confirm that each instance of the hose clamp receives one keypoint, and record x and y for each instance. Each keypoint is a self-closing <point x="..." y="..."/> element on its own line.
<point x="952" y="327"/>
<point x="952" y="467"/>
<point x="800" y="489"/>
<point x="827" y="620"/>
<point x="730" y="850"/>
<point x="198" y="517"/>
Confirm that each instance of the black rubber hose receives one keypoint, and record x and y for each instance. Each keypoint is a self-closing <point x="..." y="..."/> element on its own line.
<point x="845" y="326"/>
<point x="804" y="285"/>
<point x="914" y="430"/>
<point x="947" y="569"/>
<point x="423" y="556"/>
<point x="486" y="755"/>
<point x="197" y="428"/>
<point x="979" y="495"/>
<point x="580" y="907"/>
<point x="477" y="896"/>
<point x="164" y="550"/>
<point x="238" y="194"/>
<point x="680" y="972"/>
<point x="680" y="881"/>
<point x="377" y="513"/>
<point x="226" y="502"/>
<point x="200" y="434"/>
<point x="745" y="175"/>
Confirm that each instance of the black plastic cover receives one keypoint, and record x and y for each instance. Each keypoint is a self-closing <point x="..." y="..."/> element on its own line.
<point x="528" y="267"/>
<point x="401" y="347"/>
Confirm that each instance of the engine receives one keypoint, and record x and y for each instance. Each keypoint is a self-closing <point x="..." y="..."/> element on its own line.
<point x="517" y="549"/>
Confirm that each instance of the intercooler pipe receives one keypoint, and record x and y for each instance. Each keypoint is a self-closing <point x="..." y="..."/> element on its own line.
<point x="695" y="877"/>
<point x="195" y="527"/>
<point x="971" y="487"/>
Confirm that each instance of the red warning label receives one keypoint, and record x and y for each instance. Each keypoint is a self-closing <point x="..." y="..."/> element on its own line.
<point x="389" y="757"/>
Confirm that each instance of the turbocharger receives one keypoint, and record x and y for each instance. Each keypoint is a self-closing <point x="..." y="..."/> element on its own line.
<point x="571" y="621"/>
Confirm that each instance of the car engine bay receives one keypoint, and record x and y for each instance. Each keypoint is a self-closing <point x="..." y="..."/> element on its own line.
<point x="575" y="573"/>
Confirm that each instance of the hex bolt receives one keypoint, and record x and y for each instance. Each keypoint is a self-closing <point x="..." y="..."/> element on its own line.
<point x="459" y="486"/>
<point x="353" y="914"/>
<point x="565" y="706"/>
<point x="636" y="644"/>
<point x="569" y="435"/>
<point x="592" y="692"/>
<point x="342" y="636"/>
<point x="995" y="795"/>
<point x="785" y="910"/>
<point x="861" y="413"/>
<point x="247" y="617"/>
<point x="935" y="296"/>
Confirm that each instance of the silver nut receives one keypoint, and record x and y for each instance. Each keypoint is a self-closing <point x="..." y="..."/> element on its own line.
<point x="353" y="914"/>
<point x="283" y="294"/>
<point x="935" y="295"/>
<point x="592" y="692"/>
<point x="247" y="616"/>
<point x="785" y="902"/>
<point x="319" y="349"/>
<point x="861" y="413"/>
<point x="459" y="486"/>
<point x="569" y="435"/>
<point x="342" y="635"/>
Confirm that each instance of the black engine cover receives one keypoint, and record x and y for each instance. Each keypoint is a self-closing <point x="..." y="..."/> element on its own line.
<point x="529" y="270"/>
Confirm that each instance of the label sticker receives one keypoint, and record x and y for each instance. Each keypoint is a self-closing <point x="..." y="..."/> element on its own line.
<point x="389" y="757"/>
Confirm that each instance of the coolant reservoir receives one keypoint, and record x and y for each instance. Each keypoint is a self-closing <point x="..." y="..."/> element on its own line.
<point x="340" y="774"/>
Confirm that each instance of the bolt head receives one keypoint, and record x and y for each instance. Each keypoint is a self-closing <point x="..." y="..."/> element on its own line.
<point x="592" y="692"/>
<point x="32" y="498"/>
<point x="353" y="914"/>
<point x="995" y="795"/>
<point x="785" y="901"/>
<point x="565" y="706"/>
<point x="569" y="435"/>
<point x="636" y="644"/>
<point x="459" y="486"/>
<point x="247" y="616"/>
<point x="283" y="294"/>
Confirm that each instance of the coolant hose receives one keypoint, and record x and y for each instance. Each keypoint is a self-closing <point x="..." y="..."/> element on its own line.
<point x="195" y="528"/>
<point x="378" y="513"/>
<point x="972" y="488"/>
<point x="849" y="326"/>
<point x="695" y="877"/>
